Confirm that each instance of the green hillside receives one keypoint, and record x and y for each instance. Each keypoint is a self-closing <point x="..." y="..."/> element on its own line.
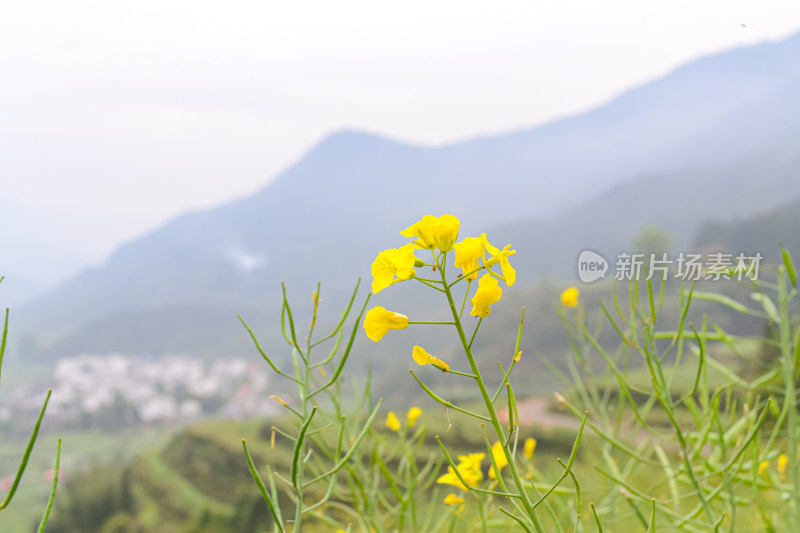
<point x="199" y="481"/>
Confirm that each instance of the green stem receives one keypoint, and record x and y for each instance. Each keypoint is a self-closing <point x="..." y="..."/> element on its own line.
<point x="790" y="393"/>
<point x="478" y="325"/>
<point x="464" y="303"/>
<point x="429" y="284"/>
<point x="446" y="403"/>
<point x="428" y="280"/>
<point x="487" y="400"/>
<point x="47" y="509"/>
<point x="457" y="373"/>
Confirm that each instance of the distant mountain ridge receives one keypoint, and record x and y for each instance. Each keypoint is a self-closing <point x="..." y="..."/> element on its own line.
<point x="719" y="123"/>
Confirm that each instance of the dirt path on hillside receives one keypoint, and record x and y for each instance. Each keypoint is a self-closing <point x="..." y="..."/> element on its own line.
<point x="536" y="412"/>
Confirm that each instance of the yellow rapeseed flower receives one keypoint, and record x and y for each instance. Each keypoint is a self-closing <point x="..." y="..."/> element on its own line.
<point x="762" y="466"/>
<point x="499" y="458"/>
<point x="392" y="262"/>
<point x="470" y="469"/>
<point x="413" y="414"/>
<point x="450" y="478"/>
<point x="392" y="422"/>
<point x="500" y="256"/>
<point x="434" y="232"/>
<point x="472" y="460"/>
<point x="469" y="252"/>
<point x="530" y="446"/>
<point x="569" y="298"/>
<point x="424" y="358"/>
<point x="488" y="292"/>
<point x="452" y="499"/>
<point x="783" y="461"/>
<point x="379" y="321"/>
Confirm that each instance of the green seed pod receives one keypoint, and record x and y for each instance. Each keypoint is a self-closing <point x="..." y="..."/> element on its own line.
<point x="787" y="260"/>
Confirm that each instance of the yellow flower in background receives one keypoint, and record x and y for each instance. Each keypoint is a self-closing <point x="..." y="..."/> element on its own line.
<point x="469" y="252"/>
<point x="434" y="232"/>
<point x="762" y="466"/>
<point x="569" y="298"/>
<point x="452" y="499"/>
<point x="379" y="321"/>
<point x="499" y="458"/>
<point x="783" y="461"/>
<point x="472" y="460"/>
<point x="530" y="446"/>
<point x="488" y="292"/>
<point x="392" y="422"/>
<point x="470" y="469"/>
<point x="450" y="478"/>
<point x="413" y="414"/>
<point x="500" y="256"/>
<point x="390" y="263"/>
<point x="424" y="358"/>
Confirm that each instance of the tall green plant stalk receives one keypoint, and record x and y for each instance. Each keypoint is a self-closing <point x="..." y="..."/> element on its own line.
<point x="789" y="364"/>
<point x="487" y="400"/>
<point x="304" y="472"/>
<point x="439" y="236"/>
<point x="31" y="443"/>
<point x="520" y="498"/>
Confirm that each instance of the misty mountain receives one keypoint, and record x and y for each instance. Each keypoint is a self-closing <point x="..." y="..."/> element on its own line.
<point x="760" y="233"/>
<point x="679" y="203"/>
<point x="717" y="137"/>
<point x="33" y="248"/>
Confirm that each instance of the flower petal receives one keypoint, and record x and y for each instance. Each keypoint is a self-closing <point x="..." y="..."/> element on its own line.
<point x="379" y="321"/>
<point x="469" y="252"/>
<point x="488" y="293"/>
<point x="434" y="232"/>
<point x="391" y="263"/>
<point x="424" y="358"/>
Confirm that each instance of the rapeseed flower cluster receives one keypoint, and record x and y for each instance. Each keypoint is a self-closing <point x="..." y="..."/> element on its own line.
<point x="469" y="467"/>
<point x="434" y="232"/>
<point x="440" y="236"/>
<point x="436" y="238"/>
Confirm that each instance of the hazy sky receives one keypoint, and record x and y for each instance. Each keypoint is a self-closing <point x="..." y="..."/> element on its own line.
<point x="116" y="116"/>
